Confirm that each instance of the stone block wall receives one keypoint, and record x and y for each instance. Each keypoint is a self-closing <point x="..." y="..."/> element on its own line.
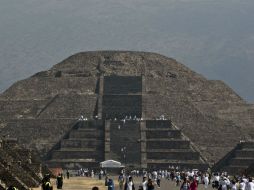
<point x="15" y="164"/>
<point x="71" y="106"/>
<point x="20" y="109"/>
<point x="166" y="144"/>
<point x="155" y="124"/>
<point x="119" y="106"/>
<point x="238" y="160"/>
<point x="122" y="85"/>
<point x="79" y="143"/>
<point x="174" y="155"/>
<point x="48" y="87"/>
<point x="40" y="134"/>
<point x="85" y="133"/>
<point x="83" y="146"/>
<point x="72" y="153"/>
<point x="213" y="144"/>
<point x="163" y="134"/>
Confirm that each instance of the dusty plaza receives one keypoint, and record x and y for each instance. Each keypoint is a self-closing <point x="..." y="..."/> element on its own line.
<point x="77" y="183"/>
<point x="129" y="110"/>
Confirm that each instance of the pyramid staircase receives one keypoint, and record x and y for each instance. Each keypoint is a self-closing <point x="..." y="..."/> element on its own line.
<point x="167" y="146"/>
<point x="124" y="142"/>
<point x="239" y="160"/>
<point x="82" y="147"/>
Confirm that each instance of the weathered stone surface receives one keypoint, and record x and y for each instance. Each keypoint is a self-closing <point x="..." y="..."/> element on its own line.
<point x="239" y="160"/>
<point x="18" y="166"/>
<point x="40" y="110"/>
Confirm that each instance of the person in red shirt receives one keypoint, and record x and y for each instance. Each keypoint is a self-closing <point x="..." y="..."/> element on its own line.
<point x="194" y="184"/>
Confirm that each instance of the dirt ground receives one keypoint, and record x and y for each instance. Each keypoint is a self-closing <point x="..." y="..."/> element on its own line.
<point x="84" y="183"/>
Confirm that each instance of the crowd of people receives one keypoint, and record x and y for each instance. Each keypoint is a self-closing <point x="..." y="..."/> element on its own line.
<point x="150" y="180"/>
<point x="185" y="180"/>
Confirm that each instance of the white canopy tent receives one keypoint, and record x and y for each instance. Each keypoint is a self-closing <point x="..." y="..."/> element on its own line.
<point x="111" y="164"/>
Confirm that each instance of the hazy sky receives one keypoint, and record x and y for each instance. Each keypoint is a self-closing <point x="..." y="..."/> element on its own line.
<point x="212" y="37"/>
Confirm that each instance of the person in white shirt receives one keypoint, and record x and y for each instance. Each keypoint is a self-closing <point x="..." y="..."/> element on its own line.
<point x="223" y="184"/>
<point x="144" y="183"/>
<point x="129" y="185"/>
<point x="250" y="185"/>
<point x="206" y="181"/>
<point x="242" y="185"/>
<point x="233" y="186"/>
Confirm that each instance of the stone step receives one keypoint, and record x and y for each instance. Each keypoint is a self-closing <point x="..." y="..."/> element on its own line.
<point x="127" y="136"/>
<point x="90" y="124"/>
<point x="244" y="153"/>
<point x="125" y="125"/>
<point x="158" y="124"/>
<point x="242" y="161"/>
<point x="174" y="161"/>
<point x="84" y="133"/>
<point x="248" y="149"/>
<point x="187" y="164"/>
<point x="73" y="163"/>
<point x="118" y="106"/>
<point x="234" y="169"/>
<point x="247" y="144"/>
<point x="166" y="133"/>
<point x="86" y="160"/>
<point x="76" y="149"/>
<point x="163" y="129"/>
<point x="83" y="139"/>
<point x="167" y="140"/>
<point x="176" y="155"/>
<point x="122" y="84"/>
<point x="86" y="129"/>
<point x="167" y="144"/>
<point x="76" y="154"/>
<point x="170" y="150"/>
<point x="81" y="143"/>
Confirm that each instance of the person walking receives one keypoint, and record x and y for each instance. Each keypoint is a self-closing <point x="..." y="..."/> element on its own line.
<point x="129" y="185"/>
<point x="111" y="185"/>
<point x="12" y="188"/>
<point x="194" y="184"/>
<point x="185" y="185"/>
<point x="150" y="185"/>
<point x="206" y="180"/>
<point x="59" y="181"/>
<point x="144" y="183"/>
<point x="46" y="184"/>
<point x="121" y="181"/>
<point x="250" y="185"/>
<point x="68" y="174"/>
